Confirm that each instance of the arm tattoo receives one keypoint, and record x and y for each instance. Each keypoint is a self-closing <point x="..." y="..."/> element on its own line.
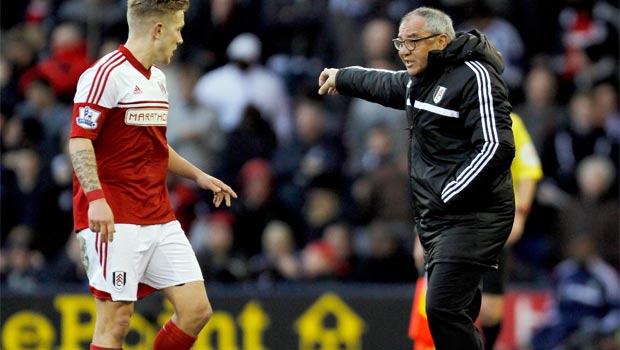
<point x="85" y="167"/>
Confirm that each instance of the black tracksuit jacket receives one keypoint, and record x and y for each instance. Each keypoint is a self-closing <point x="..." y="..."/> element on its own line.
<point x="461" y="146"/>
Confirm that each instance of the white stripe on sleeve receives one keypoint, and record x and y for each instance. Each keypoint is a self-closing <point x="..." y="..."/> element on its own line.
<point x="489" y="130"/>
<point x="435" y="109"/>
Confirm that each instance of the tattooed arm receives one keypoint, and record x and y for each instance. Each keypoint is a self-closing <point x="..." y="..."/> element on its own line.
<point x="100" y="217"/>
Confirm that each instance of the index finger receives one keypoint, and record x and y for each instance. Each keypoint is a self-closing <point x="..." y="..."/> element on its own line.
<point x="231" y="192"/>
<point x="218" y="199"/>
<point x="105" y="235"/>
<point x="324" y="88"/>
<point x="111" y="232"/>
<point x="322" y="77"/>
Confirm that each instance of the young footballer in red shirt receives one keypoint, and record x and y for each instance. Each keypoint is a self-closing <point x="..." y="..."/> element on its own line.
<point x="132" y="244"/>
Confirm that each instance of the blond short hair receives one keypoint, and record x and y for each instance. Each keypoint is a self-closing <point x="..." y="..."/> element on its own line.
<point x="139" y="11"/>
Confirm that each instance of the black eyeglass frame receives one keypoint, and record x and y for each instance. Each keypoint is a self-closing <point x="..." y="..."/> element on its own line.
<point x="400" y="43"/>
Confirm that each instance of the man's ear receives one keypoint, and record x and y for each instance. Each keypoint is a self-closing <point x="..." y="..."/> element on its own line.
<point x="156" y="30"/>
<point x="443" y="41"/>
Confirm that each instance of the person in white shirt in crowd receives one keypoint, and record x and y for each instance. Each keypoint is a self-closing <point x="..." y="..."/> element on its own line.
<point x="244" y="81"/>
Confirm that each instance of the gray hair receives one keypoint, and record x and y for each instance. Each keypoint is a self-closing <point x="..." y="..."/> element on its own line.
<point x="437" y="22"/>
<point x="596" y="166"/>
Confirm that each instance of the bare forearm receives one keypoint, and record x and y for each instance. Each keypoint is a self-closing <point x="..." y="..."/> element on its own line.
<point x="525" y="193"/>
<point x="84" y="163"/>
<point x="180" y="166"/>
<point x="526" y="188"/>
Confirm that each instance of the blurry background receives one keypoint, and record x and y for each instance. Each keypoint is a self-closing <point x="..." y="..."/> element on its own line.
<point x="323" y="183"/>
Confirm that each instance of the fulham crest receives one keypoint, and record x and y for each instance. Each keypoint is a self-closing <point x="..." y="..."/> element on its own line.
<point x="438" y="94"/>
<point x="119" y="279"/>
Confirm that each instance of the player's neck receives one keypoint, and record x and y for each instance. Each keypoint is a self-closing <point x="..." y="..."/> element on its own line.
<point x="141" y="49"/>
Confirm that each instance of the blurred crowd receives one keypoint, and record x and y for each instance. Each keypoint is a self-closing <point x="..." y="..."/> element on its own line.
<point x="322" y="183"/>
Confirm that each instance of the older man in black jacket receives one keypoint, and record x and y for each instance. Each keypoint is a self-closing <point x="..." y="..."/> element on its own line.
<point x="461" y="148"/>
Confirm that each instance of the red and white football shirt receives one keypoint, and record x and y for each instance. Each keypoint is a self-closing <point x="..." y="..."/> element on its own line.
<point x="123" y="108"/>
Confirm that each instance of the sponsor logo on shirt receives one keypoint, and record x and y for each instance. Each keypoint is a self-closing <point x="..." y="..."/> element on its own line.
<point x="87" y="117"/>
<point x="119" y="279"/>
<point x="146" y="117"/>
<point x="438" y="95"/>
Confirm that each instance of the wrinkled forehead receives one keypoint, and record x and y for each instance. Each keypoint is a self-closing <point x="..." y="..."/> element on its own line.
<point x="412" y="27"/>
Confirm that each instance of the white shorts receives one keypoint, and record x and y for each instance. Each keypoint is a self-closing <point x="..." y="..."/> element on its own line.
<point x="139" y="261"/>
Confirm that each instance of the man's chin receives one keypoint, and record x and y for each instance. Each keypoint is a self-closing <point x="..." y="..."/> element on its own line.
<point x="165" y="61"/>
<point x="413" y="71"/>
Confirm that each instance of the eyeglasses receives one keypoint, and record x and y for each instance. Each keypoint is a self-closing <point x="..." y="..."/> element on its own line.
<point x="410" y="44"/>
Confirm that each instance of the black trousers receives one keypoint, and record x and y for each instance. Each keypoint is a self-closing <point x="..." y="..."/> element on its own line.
<point x="453" y="299"/>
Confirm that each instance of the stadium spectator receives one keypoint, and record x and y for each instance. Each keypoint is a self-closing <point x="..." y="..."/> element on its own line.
<point x="103" y="17"/>
<point x="212" y="25"/>
<point x="585" y="312"/>
<point x="375" y="41"/>
<point x="20" y="266"/>
<point x="218" y="260"/>
<point x="278" y="260"/>
<point x="19" y="133"/>
<point x="590" y="41"/>
<point x="540" y="111"/>
<point x="25" y="163"/>
<point x="252" y="138"/>
<point x="322" y="207"/>
<point x="56" y="219"/>
<point x="19" y="55"/>
<point x="257" y="206"/>
<point x="339" y="235"/>
<point x="242" y="82"/>
<point x="68" y="58"/>
<point x="319" y="262"/>
<point x="314" y="152"/>
<point x="605" y="99"/>
<point x="584" y="135"/>
<point x="346" y="20"/>
<point x="378" y="190"/>
<point x="594" y="209"/>
<point x="42" y="104"/>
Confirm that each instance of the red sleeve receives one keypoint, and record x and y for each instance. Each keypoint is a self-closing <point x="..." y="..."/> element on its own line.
<point x="87" y="120"/>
